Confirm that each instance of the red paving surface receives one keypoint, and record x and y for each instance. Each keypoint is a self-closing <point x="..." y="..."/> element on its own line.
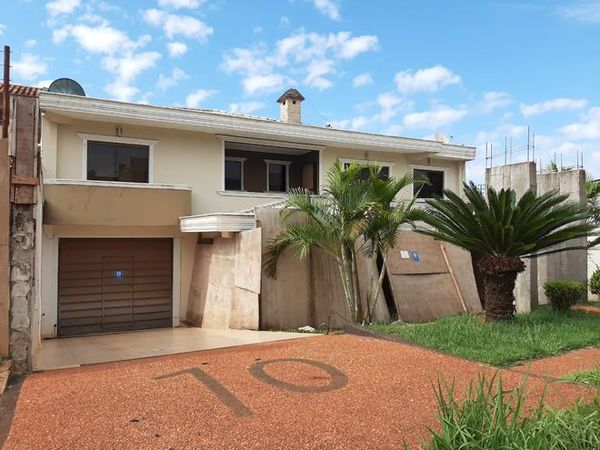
<point x="557" y="366"/>
<point x="587" y="308"/>
<point x="388" y="399"/>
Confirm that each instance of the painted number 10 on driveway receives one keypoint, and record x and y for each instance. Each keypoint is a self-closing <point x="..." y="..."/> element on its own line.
<point x="337" y="381"/>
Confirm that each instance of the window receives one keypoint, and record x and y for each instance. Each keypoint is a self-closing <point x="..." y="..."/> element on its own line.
<point x="384" y="171"/>
<point x="234" y="174"/>
<point x="109" y="161"/>
<point x="435" y="185"/>
<point x="277" y="176"/>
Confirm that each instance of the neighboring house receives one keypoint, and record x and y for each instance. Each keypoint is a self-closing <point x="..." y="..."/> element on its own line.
<point x="132" y="189"/>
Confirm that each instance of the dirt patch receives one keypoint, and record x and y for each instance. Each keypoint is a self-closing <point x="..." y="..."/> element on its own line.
<point x="587" y="308"/>
<point x="558" y="366"/>
<point x="352" y="392"/>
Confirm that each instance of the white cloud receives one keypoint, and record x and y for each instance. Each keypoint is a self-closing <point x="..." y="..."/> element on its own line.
<point x="317" y="70"/>
<point x="58" y="7"/>
<point x="29" y="67"/>
<point x="312" y="55"/>
<point x="363" y="79"/>
<point x="99" y="39"/>
<point x="389" y="106"/>
<point x="2" y="28"/>
<point x="329" y="8"/>
<point x="587" y="128"/>
<point x="246" y="108"/>
<point x="177" y="49"/>
<point x="166" y="82"/>
<point x="176" y="25"/>
<point x="194" y="99"/>
<point x="584" y="11"/>
<point x="43" y="83"/>
<point x="121" y="56"/>
<point x="431" y="79"/>
<point x="556" y="104"/>
<point x="178" y="4"/>
<point x="30" y="43"/>
<point x="126" y="69"/>
<point x="254" y="84"/>
<point x="435" y="118"/>
<point x="493" y="100"/>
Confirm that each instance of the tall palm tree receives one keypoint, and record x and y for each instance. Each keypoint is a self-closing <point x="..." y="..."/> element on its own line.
<point x="332" y="222"/>
<point x="385" y="223"/>
<point x="502" y="230"/>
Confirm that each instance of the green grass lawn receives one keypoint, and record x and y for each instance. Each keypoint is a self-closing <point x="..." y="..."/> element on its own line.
<point x="537" y="334"/>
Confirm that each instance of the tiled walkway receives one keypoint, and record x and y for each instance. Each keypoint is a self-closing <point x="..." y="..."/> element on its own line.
<point x="77" y="351"/>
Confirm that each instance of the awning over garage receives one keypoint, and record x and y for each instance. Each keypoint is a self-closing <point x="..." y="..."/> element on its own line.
<point x="218" y="222"/>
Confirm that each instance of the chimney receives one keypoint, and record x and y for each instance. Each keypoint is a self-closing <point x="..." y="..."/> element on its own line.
<point x="290" y="106"/>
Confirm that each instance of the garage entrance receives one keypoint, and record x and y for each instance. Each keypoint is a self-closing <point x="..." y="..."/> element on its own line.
<point x="108" y="285"/>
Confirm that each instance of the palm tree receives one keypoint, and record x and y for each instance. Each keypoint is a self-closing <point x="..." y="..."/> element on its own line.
<point x="332" y="222"/>
<point x="384" y="225"/>
<point x="502" y="230"/>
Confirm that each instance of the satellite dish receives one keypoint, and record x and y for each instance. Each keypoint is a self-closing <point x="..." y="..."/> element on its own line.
<point x="66" y="86"/>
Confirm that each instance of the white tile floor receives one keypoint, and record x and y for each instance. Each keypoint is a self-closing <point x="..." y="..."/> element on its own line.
<point x="76" y="351"/>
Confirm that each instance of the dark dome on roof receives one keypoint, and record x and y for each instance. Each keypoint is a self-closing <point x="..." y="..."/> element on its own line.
<point x="291" y="94"/>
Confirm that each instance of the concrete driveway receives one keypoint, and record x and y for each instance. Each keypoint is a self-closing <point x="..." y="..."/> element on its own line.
<point x="326" y="392"/>
<point x="101" y="348"/>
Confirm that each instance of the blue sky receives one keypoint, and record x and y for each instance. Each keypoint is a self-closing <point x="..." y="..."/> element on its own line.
<point x="475" y="71"/>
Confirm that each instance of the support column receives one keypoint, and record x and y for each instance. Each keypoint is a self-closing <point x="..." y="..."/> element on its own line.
<point x="521" y="177"/>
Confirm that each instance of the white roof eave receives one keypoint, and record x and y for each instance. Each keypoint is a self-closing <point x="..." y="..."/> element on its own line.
<point x="236" y="125"/>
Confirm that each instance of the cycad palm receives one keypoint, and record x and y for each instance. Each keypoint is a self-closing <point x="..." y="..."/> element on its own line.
<point x="502" y="230"/>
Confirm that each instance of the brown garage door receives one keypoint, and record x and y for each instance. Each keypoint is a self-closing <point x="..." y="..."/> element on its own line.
<point x="114" y="285"/>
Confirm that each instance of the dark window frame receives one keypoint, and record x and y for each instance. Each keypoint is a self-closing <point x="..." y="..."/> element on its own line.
<point x="235" y="160"/>
<point x="427" y="191"/>
<point x="286" y="167"/>
<point x="114" y="146"/>
<point x="380" y="165"/>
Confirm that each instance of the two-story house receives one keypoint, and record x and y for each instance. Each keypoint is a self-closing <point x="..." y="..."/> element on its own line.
<point x="129" y="189"/>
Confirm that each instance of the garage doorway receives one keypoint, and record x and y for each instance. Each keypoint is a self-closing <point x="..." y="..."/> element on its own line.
<point x="109" y="285"/>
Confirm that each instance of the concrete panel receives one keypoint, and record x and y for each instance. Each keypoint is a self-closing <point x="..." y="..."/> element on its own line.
<point x="244" y="310"/>
<point x="248" y="260"/>
<point x="428" y="250"/>
<point x="212" y="288"/>
<point x="285" y="302"/>
<point x="425" y="297"/>
<point x="367" y="267"/>
<point x="571" y="265"/>
<point x="462" y="267"/>
<point x="328" y="291"/>
<point x="521" y="177"/>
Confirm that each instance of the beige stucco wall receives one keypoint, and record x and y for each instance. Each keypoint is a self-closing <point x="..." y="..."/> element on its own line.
<point x="196" y="159"/>
<point x="400" y="164"/>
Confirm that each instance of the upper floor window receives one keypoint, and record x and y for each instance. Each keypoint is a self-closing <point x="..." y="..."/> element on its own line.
<point x="435" y="185"/>
<point x="384" y="171"/>
<point x="234" y="174"/>
<point x="278" y="176"/>
<point x="111" y="161"/>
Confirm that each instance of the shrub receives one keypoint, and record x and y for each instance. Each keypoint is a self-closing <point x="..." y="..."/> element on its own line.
<point x="595" y="282"/>
<point x="563" y="294"/>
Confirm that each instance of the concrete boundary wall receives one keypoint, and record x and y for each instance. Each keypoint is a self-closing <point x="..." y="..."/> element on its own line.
<point x="310" y="292"/>
<point x="570" y="265"/>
